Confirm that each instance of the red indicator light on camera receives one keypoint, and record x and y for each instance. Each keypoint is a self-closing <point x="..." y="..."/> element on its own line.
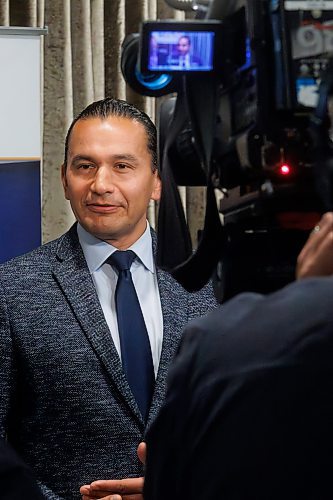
<point x="284" y="169"/>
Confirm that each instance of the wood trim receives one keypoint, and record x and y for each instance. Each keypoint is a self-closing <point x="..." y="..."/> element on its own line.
<point x="19" y="158"/>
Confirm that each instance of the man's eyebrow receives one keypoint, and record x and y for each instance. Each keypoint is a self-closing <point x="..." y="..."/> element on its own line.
<point x="116" y="157"/>
<point x="78" y="158"/>
<point x="125" y="156"/>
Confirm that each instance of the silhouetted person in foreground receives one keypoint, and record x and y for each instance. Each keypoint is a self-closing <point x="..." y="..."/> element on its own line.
<point x="249" y="407"/>
<point x="16" y="479"/>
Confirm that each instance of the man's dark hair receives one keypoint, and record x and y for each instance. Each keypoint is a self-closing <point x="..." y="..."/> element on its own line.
<point x="116" y="107"/>
<point x="186" y="38"/>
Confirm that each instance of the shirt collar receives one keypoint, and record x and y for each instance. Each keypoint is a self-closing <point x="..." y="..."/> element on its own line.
<point x="96" y="251"/>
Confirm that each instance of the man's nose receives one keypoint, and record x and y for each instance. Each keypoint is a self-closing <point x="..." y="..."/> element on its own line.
<point x="103" y="181"/>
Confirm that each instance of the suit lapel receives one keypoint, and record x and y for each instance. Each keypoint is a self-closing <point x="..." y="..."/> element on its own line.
<point x="72" y="274"/>
<point x="174" y="302"/>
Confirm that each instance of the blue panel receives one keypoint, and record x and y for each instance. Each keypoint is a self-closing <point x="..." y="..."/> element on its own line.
<point x="20" y="208"/>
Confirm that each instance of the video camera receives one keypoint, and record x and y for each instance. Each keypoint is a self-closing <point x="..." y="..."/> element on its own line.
<point x="250" y="122"/>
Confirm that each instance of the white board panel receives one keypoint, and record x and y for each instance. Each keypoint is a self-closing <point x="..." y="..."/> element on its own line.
<point x="20" y="96"/>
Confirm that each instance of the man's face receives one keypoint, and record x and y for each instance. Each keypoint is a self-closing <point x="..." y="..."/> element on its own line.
<point x="109" y="179"/>
<point x="183" y="46"/>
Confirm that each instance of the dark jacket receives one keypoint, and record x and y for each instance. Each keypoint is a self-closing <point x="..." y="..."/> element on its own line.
<point x="249" y="409"/>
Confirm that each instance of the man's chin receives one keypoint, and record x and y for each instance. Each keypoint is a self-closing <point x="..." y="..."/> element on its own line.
<point x="104" y="232"/>
<point x="107" y="236"/>
<point x="119" y="232"/>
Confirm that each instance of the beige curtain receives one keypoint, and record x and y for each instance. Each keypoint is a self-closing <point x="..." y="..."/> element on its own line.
<point x="81" y="63"/>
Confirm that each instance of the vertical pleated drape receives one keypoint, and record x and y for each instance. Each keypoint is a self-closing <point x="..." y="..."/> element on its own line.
<point x="81" y="63"/>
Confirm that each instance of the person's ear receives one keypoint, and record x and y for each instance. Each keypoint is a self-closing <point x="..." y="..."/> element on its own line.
<point x="64" y="180"/>
<point x="156" y="193"/>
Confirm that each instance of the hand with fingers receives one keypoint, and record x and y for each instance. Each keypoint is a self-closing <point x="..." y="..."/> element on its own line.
<point x="316" y="257"/>
<point x="117" y="489"/>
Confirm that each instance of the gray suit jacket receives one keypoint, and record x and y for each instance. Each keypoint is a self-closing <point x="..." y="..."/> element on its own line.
<point x="65" y="404"/>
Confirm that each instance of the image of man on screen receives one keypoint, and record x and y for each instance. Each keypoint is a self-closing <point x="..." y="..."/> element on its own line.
<point x="185" y="57"/>
<point x="180" y="51"/>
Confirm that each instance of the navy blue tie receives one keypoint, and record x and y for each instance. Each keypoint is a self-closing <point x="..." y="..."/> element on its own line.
<point x="134" y="341"/>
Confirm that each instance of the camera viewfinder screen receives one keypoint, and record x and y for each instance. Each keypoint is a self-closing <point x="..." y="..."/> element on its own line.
<point x="181" y="51"/>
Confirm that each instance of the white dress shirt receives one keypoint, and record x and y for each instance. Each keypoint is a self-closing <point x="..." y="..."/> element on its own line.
<point x="184" y="61"/>
<point x="144" y="278"/>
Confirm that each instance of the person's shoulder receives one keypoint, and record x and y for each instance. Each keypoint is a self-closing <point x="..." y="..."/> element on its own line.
<point x="196" y="59"/>
<point x="227" y="315"/>
<point x="251" y="325"/>
<point x="205" y="294"/>
<point x="299" y="297"/>
<point x="308" y="298"/>
<point x="37" y="257"/>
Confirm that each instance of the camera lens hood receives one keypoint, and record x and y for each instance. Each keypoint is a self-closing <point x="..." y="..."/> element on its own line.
<point x="149" y="85"/>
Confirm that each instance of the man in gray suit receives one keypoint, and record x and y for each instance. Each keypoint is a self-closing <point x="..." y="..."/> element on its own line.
<point x="66" y="405"/>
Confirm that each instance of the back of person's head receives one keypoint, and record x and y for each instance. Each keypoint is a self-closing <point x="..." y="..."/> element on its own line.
<point x="111" y="107"/>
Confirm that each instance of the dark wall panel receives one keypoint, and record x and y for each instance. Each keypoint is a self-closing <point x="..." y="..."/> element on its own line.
<point x="20" y="208"/>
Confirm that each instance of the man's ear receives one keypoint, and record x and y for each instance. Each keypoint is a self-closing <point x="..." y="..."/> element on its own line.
<point x="64" y="180"/>
<point x="156" y="193"/>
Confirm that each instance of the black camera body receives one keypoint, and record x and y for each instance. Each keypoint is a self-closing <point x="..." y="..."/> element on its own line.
<point x="264" y="60"/>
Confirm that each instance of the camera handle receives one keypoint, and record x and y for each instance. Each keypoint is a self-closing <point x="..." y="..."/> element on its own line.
<point x="174" y="251"/>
